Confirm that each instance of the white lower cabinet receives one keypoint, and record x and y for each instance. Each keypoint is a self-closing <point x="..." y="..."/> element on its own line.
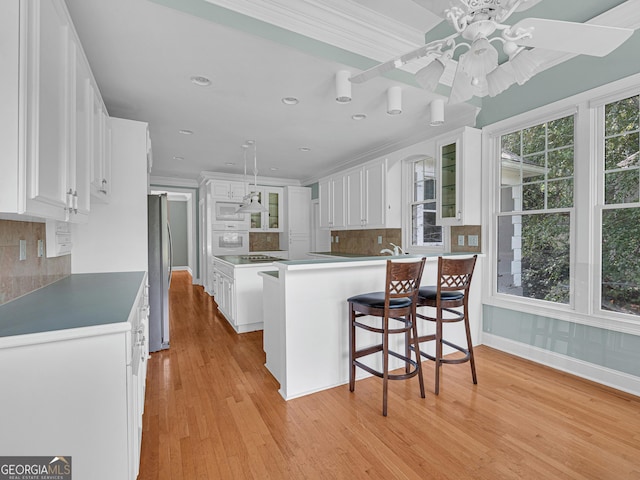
<point x="79" y="393"/>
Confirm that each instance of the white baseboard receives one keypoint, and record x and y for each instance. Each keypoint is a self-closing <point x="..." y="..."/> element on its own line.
<point x="182" y="269"/>
<point x="606" y="376"/>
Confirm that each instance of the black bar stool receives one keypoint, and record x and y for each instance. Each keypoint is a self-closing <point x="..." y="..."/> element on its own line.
<point x="397" y="303"/>
<point x="450" y="296"/>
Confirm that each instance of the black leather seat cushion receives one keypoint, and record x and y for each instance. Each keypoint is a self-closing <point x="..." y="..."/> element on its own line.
<point x="376" y="300"/>
<point x="431" y="292"/>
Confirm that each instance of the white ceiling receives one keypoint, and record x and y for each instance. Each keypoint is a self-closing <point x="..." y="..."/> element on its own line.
<point x="143" y="54"/>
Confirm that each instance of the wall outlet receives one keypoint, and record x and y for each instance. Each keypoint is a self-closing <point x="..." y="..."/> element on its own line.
<point x="23" y="249"/>
<point x="40" y="248"/>
<point x="473" y="240"/>
<point x="379" y="239"/>
<point x="461" y="240"/>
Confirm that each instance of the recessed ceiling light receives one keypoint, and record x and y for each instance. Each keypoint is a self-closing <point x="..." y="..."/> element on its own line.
<point x="304" y="149"/>
<point x="229" y="164"/>
<point x="178" y="158"/>
<point x="185" y="132"/>
<point x="200" y="81"/>
<point x="290" y="100"/>
<point x="273" y="169"/>
<point x="359" y="116"/>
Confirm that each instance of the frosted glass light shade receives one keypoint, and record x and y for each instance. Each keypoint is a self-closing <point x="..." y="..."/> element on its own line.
<point x="500" y="79"/>
<point x="429" y="76"/>
<point x="462" y="89"/>
<point x="481" y="58"/>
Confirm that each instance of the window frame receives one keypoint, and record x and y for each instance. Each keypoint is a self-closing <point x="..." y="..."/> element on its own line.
<point x="586" y="251"/>
<point x="407" y="202"/>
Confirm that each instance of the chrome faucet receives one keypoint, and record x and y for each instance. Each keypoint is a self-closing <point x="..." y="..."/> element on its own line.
<point x="397" y="250"/>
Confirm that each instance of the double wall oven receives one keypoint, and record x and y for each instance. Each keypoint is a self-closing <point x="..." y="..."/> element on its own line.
<point x="230" y="229"/>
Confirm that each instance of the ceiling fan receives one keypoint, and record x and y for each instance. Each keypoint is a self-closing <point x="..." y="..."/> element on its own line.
<point x="479" y="28"/>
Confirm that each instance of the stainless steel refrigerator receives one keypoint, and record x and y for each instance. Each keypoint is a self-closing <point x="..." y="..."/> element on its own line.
<point x="159" y="272"/>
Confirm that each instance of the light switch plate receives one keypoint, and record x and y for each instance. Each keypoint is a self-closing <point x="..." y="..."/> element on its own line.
<point x="337" y="239"/>
<point x="379" y="239"/>
<point x="473" y="240"/>
<point x="40" y="248"/>
<point x="461" y="241"/>
<point x="23" y="249"/>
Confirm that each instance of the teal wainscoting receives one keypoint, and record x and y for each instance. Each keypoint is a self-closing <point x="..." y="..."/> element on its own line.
<point x="605" y="348"/>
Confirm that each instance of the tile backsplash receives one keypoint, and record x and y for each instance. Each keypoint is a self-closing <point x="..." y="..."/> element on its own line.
<point x="365" y="241"/>
<point x="19" y="277"/>
<point x="263" y="242"/>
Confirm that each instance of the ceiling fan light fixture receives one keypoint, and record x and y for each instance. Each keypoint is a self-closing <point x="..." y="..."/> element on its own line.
<point x="343" y="86"/>
<point x="524" y="66"/>
<point x="394" y="100"/>
<point x="500" y="79"/>
<point x="462" y="88"/>
<point x="481" y="59"/>
<point x="428" y="77"/>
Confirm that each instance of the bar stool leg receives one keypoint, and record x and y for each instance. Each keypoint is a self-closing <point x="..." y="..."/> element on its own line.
<point x="438" y="355"/>
<point x="416" y="347"/>
<point x="352" y="348"/>
<point x="470" y="347"/>
<point x="385" y="365"/>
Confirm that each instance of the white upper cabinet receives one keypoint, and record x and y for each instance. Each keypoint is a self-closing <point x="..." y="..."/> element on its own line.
<point x="100" y="149"/>
<point x="45" y="129"/>
<point x="271" y="220"/>
<point x="361" y="193"/>
<point x="228" y="190"/>
<point x="458" y="178"/>
<point x="332" y="202"/>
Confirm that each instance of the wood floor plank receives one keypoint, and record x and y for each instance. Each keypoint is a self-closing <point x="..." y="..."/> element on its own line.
<point x="213" y="411"/>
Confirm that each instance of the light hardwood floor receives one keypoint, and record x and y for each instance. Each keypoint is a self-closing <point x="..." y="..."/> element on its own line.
<point x="213" y="412"/>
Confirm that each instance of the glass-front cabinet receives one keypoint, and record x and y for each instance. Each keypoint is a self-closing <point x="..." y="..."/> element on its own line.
<point x="458" y="199"/>
<point x="271" y="220"/>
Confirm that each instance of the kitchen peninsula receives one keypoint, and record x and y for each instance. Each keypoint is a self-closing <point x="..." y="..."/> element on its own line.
<point x="306" y="322"/>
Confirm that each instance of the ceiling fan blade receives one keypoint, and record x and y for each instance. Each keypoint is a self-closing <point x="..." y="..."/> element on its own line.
<point x="580" y="38"/>
<point x="431" y="47"/>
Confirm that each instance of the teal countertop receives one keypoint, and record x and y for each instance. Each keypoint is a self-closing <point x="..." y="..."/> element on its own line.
<point x="243" y="260"/>
<point x="81" y="300"/>
<point x="342" y="258"/>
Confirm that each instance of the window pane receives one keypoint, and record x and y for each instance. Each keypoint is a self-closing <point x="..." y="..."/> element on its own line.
<point x="533" y="168"/>
<point x="533" y="256"/>
<point x="560" y="163"/>
<point x="560" y="133"/>
<point x="622" y="116"/>
<point x="533" y="196"/>
<point x="511" y="143"/>
<point x="423" y="219"/>
<point x="621" y="260"/>
<point x="533" y="139"/>
<point x="622" y="187"/>
<point x="560" y="194"/>
<point x="622" y="152"/>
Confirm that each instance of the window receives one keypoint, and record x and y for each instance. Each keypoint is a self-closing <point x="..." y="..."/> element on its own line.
<point x="536" y="201"/>
<point x="424" y="231"/>
<point x="620" y="224"/>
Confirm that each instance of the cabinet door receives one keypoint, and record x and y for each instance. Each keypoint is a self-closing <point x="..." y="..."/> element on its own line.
<point x="374" y="195"/>
<point x="338" y="199"/>
<point x="225" y="190"/>
<point x="325" y="203"/>
<point x="354" y="194"/>
<point x="274" y="203"/>
<point x="449" y="208"/>
<point x="48" y="99"/>
<point x="299" y="210"/>
<point x="80" y="168"/>
<point x="237" y="190"/>
<point x="100" y="170"/>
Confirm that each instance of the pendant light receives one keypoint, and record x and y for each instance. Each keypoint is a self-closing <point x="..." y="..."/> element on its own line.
<point x="251" y="202"/>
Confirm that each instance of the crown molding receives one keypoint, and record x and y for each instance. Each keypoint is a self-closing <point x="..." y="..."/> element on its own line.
<point x="342" y="23"/>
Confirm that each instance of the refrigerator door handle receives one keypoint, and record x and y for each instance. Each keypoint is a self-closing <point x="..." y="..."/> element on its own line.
<point x="170" y="253"/>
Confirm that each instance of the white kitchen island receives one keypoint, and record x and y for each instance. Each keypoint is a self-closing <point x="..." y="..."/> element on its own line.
<point x="306" y="318"/>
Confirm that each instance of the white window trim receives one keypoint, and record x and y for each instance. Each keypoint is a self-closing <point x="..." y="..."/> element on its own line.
<point x="584" y="307"/>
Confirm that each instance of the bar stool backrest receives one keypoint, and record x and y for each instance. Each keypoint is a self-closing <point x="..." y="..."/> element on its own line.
<point x="403" y="279"/>
<point x="455" y="273"/>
